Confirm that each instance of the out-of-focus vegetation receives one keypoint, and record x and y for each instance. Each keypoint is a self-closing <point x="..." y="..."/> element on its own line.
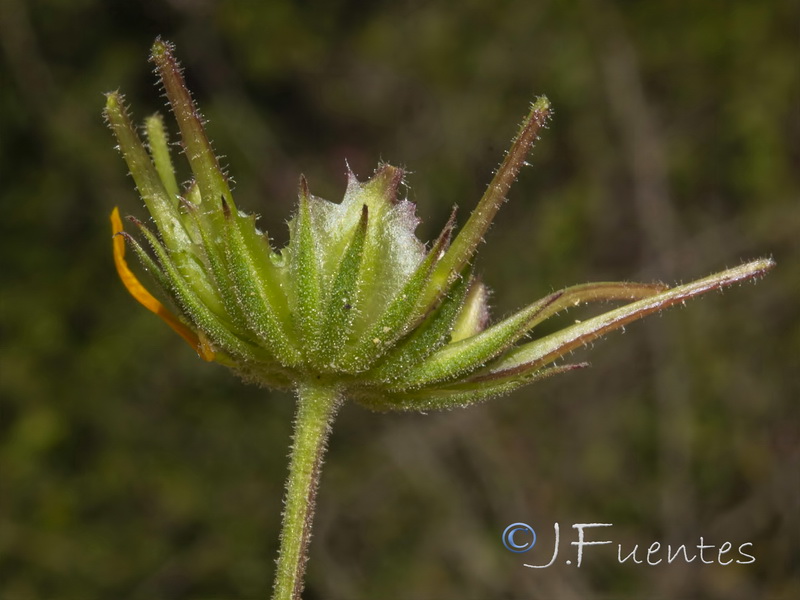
<point x="131" y="469"/>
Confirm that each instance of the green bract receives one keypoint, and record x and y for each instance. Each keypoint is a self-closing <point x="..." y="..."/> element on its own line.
<point x="354" y="300"/>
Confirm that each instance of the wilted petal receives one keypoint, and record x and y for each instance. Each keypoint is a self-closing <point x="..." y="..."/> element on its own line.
<point x="145" y="298"/>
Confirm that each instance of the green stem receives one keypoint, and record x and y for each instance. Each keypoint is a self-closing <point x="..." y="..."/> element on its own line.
<point x="316" y="408"/>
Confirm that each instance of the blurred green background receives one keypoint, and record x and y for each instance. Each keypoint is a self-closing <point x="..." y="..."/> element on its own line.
<point x="131" y="469"/>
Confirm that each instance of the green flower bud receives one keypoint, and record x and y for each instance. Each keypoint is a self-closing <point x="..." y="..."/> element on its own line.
<point x="355" y="301"/>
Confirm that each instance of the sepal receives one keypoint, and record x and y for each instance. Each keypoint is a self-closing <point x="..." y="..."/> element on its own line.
<point x="549" y="348"/>
<point x="400" y="314"/>
<point x="459" y="395"/>
<point x="255" y="282"/>
<point x="344" y="299"/>
<point x="466" y="243"/>
<point x="201" y="156"/>
<point x="427" y="337"/>
<point x="460" y="358"/>
<point x="305" y="271"/>
<point x="145" y="175"/>
<point x="474" y="315"/>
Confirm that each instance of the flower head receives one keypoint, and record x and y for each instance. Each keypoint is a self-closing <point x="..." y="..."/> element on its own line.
<point x="354" y="301"/>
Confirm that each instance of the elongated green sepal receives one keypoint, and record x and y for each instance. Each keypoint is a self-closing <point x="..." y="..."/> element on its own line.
<point x="544" y="351"/>
<point x="192" y="270"/>
<point x="427" y="337"/>
<point x="151" y="189"/>
<point x="199" y="152"/>
<point x="391" y="250"/>
<point x="456" y="396"/>
<point x="257" y="288"/>
<point x="400" y="313"/>
<point x="466" y="242"/>
<point x="472" y="353"/>
<point x="217" y="264"/>
<point x="159" y="151"/>
<point x="214" y="328"/>
<point x="304" y="269"/>
<point x="149" y="264"/>
<point x="344" y="297"/>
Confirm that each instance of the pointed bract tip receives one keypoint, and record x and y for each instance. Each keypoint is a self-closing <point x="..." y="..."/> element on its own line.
<point x="161" y="49"/>
<point x="302" y="187"/>
<point x="541" y="104"/>
<point x="451" y="220"/>
<point x="134" y="220"/>
<point x="443" y="241"/>
<point x="349" y="171"/>
<point x="115" y="112"/>
<point x="226" y="209"/>
<point x="390" y="172"/>
<point x="765" y="264"/>
<point x="124" y="235"/>
<point x="114" y="100"/>
<point x="391" y="177"/>
<point x="750" y="270"/>
<point x="540" y="112"/>
<point x="187" y="205"/>
<point x="156" y="118"/>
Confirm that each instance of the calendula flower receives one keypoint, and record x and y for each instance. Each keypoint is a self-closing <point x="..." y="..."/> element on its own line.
<point x="355" y="307"/>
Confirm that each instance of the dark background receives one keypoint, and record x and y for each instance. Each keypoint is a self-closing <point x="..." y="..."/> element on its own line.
<point x="131" y="469"/>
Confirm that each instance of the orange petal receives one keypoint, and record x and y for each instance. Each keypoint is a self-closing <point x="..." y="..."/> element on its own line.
<point x="146" y="299"/>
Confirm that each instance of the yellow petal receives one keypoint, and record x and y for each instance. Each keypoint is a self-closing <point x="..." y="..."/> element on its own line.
<point x="146" y="299"/>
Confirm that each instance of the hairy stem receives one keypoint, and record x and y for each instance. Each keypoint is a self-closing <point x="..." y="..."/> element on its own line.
<point x="316" y="408"/>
